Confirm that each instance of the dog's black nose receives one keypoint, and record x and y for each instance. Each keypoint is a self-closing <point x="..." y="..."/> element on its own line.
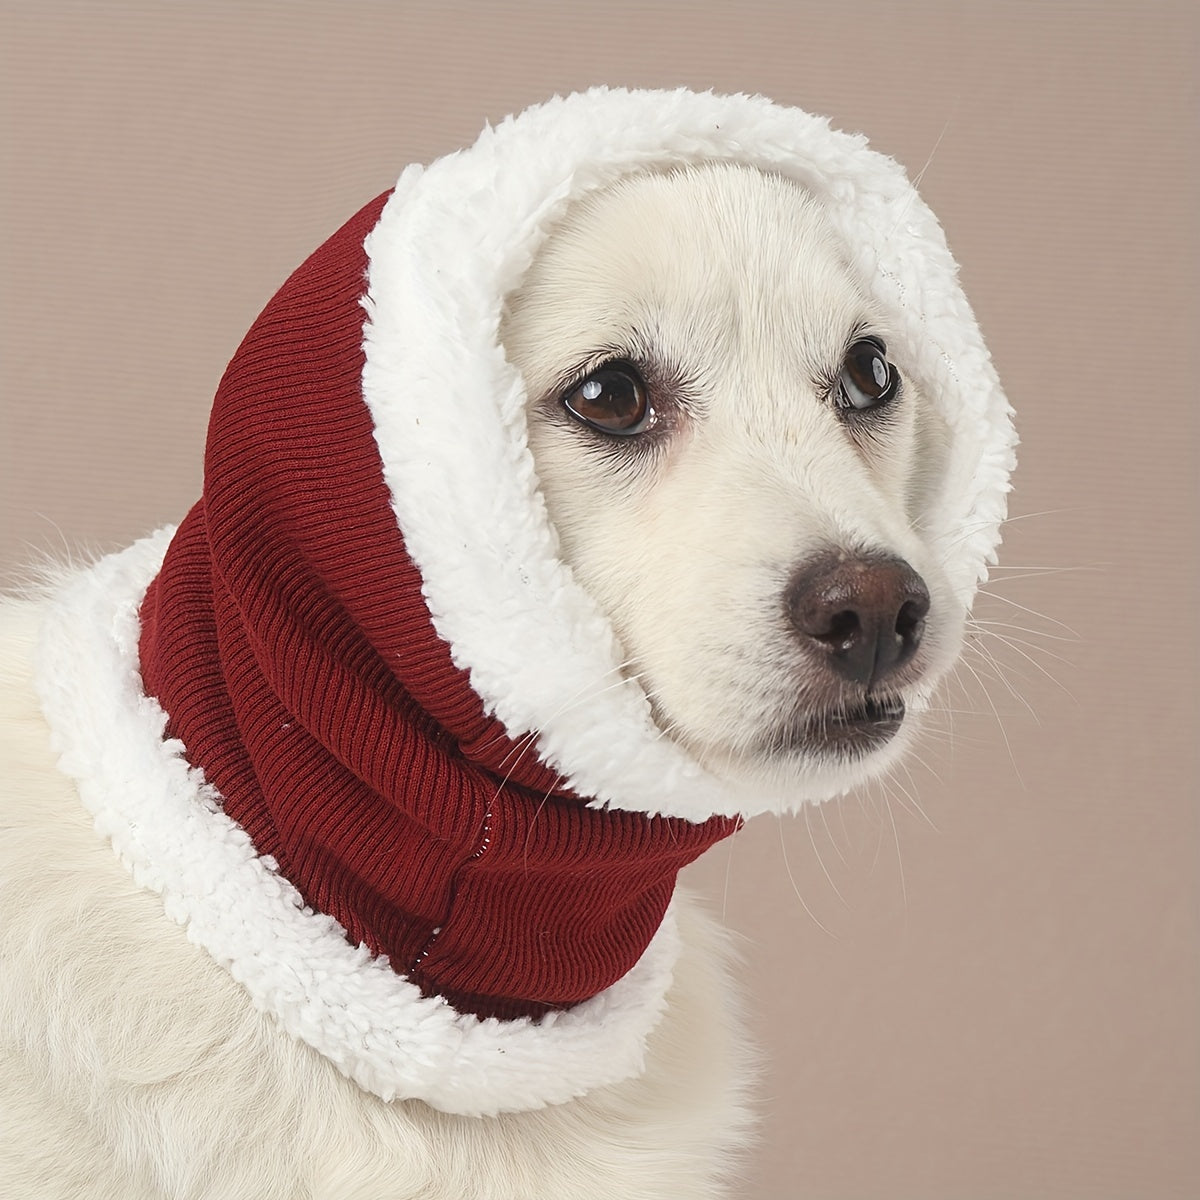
<point x="864" y="614"/>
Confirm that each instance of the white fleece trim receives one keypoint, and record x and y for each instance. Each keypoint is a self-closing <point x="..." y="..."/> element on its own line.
<point x="449" y="411"/>
<point x="167" y="826"/>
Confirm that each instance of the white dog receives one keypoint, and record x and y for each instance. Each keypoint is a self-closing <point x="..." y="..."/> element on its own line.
<point x="759" y="469"/>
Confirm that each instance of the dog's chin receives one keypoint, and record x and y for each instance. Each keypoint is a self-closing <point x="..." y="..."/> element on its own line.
<point x="810" y="758"/>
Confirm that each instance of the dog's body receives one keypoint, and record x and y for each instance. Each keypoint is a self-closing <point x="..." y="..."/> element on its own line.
<point x="699" y="527"/>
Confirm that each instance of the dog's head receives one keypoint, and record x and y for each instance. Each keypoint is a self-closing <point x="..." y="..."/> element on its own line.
<point x="694" y="439"/>
<point x="737" y="466"/>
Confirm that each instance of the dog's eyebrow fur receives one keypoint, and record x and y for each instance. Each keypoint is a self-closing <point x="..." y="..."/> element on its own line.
<point x="636" y="350"/>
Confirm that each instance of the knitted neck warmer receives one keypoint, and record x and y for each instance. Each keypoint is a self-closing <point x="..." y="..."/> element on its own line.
<point x="287" y="639"/>
<point x="418" y="792"/>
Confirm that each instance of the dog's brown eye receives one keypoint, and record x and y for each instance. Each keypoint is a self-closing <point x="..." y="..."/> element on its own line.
<point x="612" y="399"/>
<point x="867" y="379"/>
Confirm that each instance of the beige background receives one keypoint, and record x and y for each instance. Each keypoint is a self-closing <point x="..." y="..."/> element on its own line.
<point x="1005" y="1006"/>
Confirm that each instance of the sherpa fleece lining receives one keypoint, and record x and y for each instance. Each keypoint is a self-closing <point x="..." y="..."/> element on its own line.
<point x="449" y="411"/>
<point x="166" y="825"/>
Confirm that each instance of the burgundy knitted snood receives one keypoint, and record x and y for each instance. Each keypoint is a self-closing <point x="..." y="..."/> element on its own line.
<point x="287" y="638"/>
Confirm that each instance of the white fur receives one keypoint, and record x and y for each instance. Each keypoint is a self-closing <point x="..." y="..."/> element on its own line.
<point x="136" y="1064"/>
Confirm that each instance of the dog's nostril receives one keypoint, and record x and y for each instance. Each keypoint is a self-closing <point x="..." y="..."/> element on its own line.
<point x="865" y="615"/>
<point x="844" y="627"/>
<point x="910" y="621"/>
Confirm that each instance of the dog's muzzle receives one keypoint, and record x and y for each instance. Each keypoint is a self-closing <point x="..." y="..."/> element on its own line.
<point x="859" y="620"/>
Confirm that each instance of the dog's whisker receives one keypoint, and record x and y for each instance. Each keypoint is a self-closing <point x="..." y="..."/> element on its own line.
<point x="829" y="833"/>
<point x="728" y="873"/>
<point x="528" y="741"/>
<point x="875" y="793"/>
<point x="597" y="687"/>
<point x="796" y="887"/>
<point x="1023" y="646"/>
<point x="999" y="720"/>
<point x="1030" y="572"/>
<point x="1070" y="635"/>
<point x="522" y="747"/>
<point x="820" y="861"/>
<point x="942" y="698"/>
<point x="899" y="854"/>
<point x="989" y="625"/>
<point x="920" y="175"/>
<point x="886" y="798"/>
<point x="1015" y="645"/>
<point x="519" y="746"/>
<point x="959" y="711"/>
<point x="981" y="646"/>
<point x="1044" y="512"/>
<point x="925" y="765"/>
<point x="1006" y="567"/>
<point x="969" y="529"/>
<point x="1028" y="634"/>
<point x="536" y="814"/>
<point x="841" y="812"/>
<point x="581" y="696"/>
<point x="910" y="199"/>
<point x="990" y="668"/>
<point x="910" y="801"/>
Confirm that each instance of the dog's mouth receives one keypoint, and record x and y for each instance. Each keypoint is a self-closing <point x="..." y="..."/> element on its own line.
<point x="846" y="731"/>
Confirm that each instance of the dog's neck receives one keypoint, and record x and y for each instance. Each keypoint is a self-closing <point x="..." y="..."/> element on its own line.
<point x="287" y="638"/>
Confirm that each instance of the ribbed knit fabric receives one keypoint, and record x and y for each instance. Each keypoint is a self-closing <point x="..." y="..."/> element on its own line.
<point x="287" y="638"/>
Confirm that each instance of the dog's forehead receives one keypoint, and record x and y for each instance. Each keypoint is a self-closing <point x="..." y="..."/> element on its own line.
<point x="712" y="262"/>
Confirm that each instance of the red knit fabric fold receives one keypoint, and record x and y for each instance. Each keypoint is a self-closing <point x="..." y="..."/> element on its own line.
<point x="287" y="638"/>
